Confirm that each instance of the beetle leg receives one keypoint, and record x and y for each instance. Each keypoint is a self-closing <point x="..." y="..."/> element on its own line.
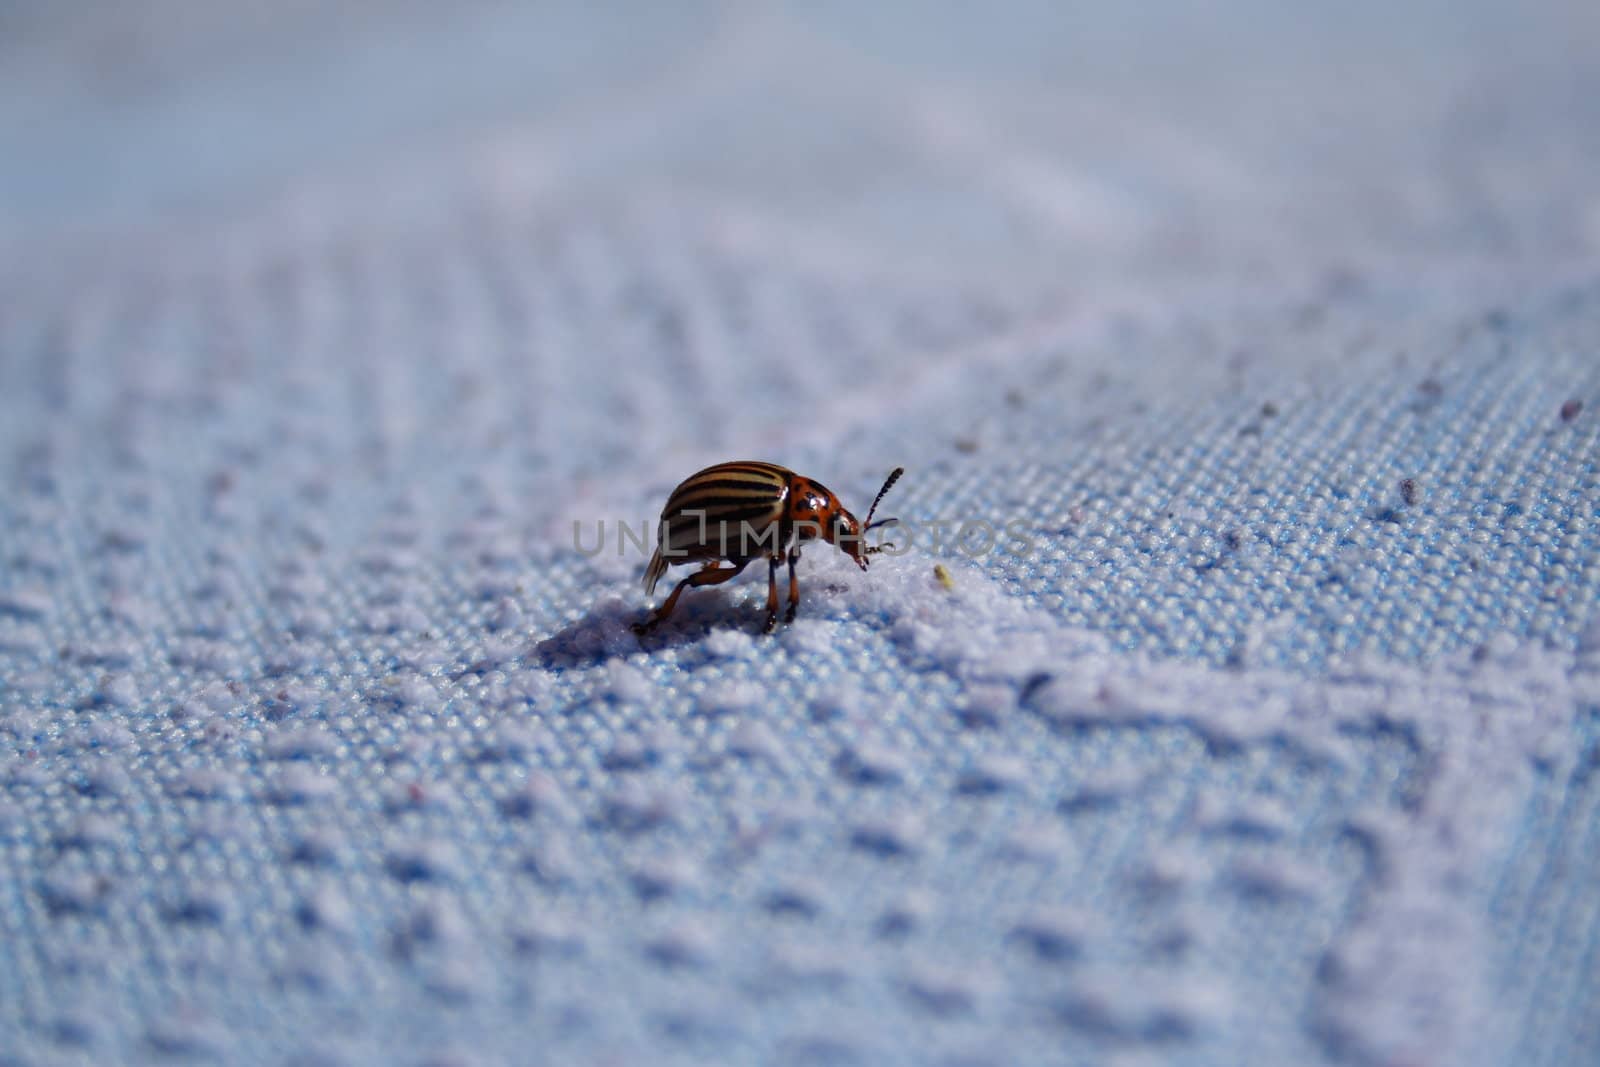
<point x="710" y="575"/>
<point x="794" y="585"/>
<point x="772" y="595"/>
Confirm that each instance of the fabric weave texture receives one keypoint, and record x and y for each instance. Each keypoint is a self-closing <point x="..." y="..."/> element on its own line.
<point x="1262" y="726"/>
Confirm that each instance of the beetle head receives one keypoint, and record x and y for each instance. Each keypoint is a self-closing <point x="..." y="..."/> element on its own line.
<point x="847" y="532"/>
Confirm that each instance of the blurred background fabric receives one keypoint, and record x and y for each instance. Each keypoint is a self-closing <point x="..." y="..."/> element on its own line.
<point x="1270" y="738"/>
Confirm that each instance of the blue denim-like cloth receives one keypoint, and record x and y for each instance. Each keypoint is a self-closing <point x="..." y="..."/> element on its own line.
<point x="1249" y="355"/>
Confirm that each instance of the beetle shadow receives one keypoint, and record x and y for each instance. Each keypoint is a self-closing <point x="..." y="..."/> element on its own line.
<point x="606" y="633"/>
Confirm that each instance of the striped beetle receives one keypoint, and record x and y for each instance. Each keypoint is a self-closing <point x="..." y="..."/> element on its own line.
<point x="734" y="513"/>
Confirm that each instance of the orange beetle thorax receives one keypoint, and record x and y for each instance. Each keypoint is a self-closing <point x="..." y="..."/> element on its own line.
<point x="810" y="510"/>
<point x="814" y="512"/>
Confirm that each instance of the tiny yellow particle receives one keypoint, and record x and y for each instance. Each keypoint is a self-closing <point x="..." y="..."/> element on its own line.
<point x="943" y="575"/>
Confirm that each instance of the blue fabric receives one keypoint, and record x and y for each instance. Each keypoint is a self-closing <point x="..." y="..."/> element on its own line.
<point x="1265" y="733"/>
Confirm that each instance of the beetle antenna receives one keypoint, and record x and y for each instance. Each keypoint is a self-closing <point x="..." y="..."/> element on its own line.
<point x="888" y="483"/>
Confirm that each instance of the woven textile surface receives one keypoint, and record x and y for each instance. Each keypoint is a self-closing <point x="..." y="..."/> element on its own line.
<point x="1232" y="694"/>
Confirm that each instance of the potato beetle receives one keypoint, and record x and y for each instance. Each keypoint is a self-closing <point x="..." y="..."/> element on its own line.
<point x="733" y="513"/>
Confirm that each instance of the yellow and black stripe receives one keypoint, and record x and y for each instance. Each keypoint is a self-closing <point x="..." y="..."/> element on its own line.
<point x="711" y="513"/>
